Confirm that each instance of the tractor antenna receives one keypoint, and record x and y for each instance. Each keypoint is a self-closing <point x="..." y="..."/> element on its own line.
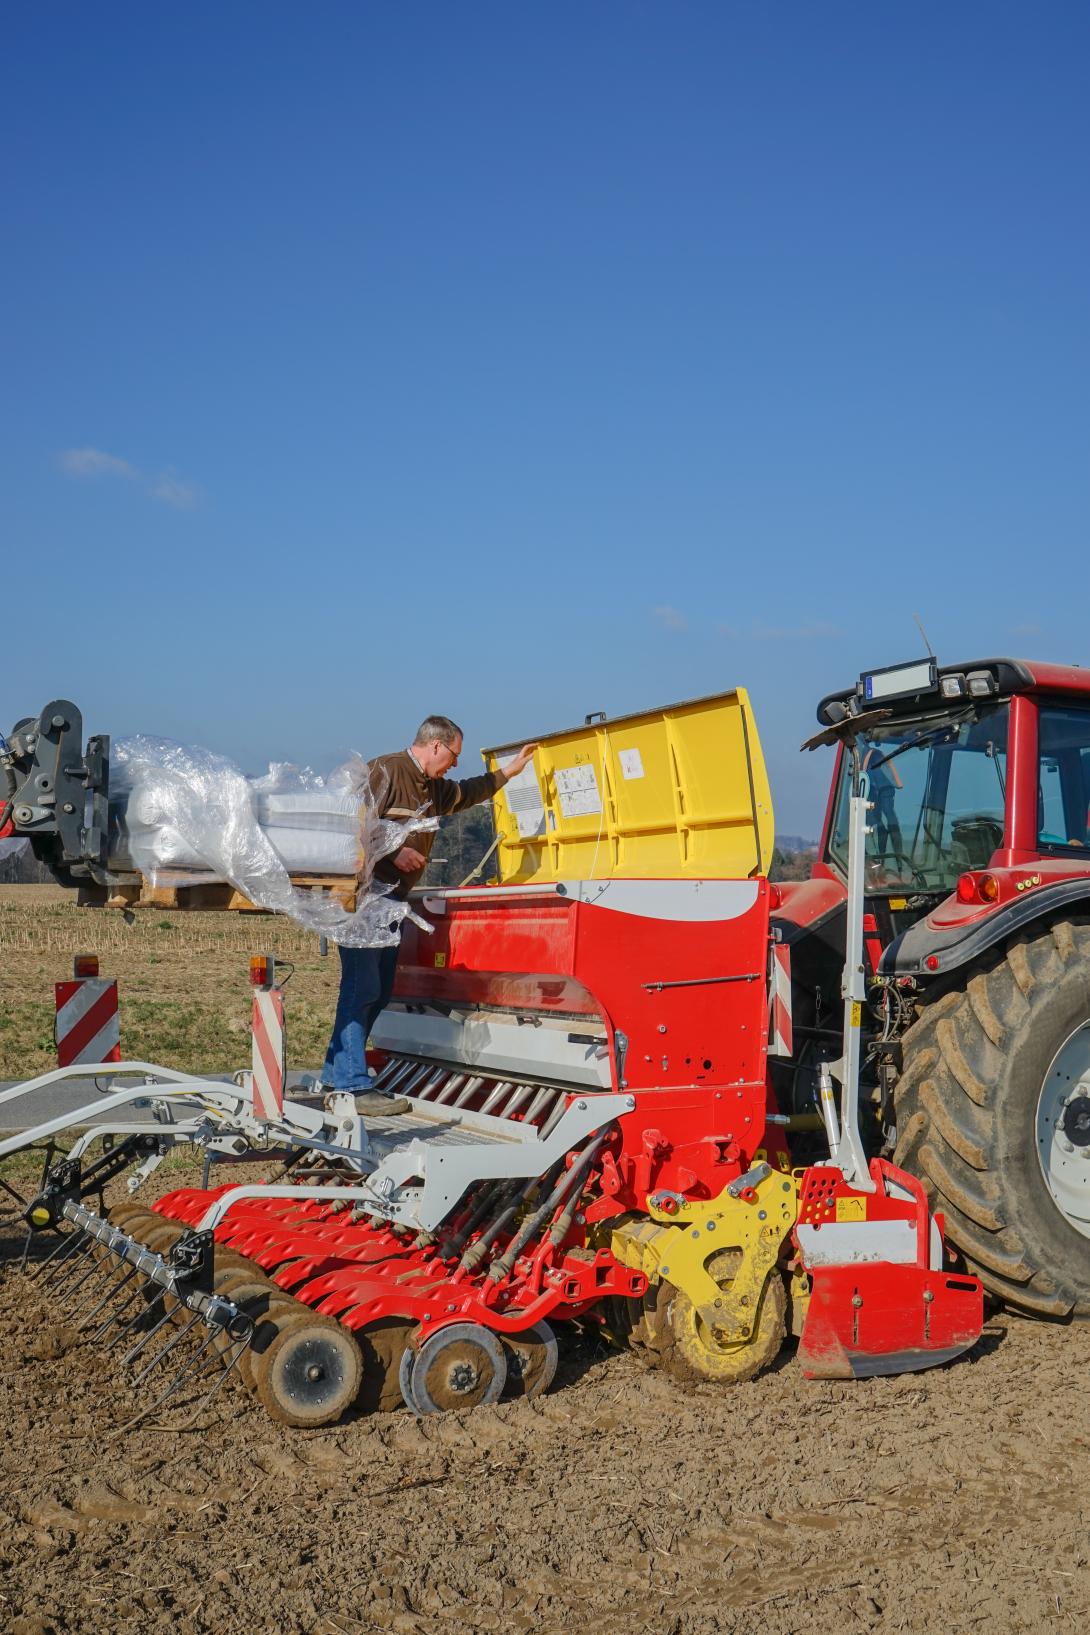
<point x="923" y="633"/>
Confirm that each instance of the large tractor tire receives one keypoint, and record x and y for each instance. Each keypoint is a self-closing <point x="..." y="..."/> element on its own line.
<point x="993" y="1115"/>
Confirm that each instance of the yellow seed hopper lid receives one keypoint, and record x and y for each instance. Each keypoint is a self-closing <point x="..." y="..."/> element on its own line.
<point x="675" y="792"/>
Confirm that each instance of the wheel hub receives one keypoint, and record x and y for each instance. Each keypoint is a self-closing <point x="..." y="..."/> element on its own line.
<point x="1063" y="1129"/>
<point x="1076" y="1120"/>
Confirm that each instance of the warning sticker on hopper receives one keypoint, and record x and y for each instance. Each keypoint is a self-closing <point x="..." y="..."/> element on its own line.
<point x="525" y="804"/>
<point x="577" y="791"/>
<point x="631" y="763"/>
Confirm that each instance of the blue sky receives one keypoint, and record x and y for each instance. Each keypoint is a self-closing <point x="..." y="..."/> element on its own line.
<point x="522" y="360"/>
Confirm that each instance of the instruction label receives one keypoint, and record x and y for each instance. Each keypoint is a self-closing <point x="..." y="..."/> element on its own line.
<point x="577" y="791"/>
<point x="631" y="763"/>
<point x="525" y="803"/>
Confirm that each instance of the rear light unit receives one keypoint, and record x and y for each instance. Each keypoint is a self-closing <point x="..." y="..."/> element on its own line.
<point x="262" y="970"/>
<point x="85" y="965"/>
<point x="977" y="888"/>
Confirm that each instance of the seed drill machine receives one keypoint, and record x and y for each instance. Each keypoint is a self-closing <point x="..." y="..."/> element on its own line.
<point x="608" y="1119"/>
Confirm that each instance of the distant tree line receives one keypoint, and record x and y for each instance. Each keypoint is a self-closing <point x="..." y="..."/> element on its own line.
<point x="459" y="846"/>
<point x="791" y="865"/>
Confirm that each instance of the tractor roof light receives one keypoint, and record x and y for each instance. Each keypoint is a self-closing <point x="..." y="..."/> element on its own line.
<point x="981" y="683"/>
<point x="953" y="686"/>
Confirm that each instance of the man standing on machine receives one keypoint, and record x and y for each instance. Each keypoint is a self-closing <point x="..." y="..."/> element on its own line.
<point x="405" y="783"/>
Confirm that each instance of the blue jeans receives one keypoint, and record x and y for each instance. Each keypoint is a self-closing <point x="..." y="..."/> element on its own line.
<point x="367" y="980"/>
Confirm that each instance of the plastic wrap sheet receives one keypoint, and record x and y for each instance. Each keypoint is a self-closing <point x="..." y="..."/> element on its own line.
<point x="180" y="807"/>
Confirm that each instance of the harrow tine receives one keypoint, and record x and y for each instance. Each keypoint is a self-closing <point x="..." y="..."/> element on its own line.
<point x="131" y="1355"/>
<point x="57" y="1257"/>
<point x="115" y="1288"/>
<point x="133" y="1322"/>
<point x="116" y="1316"/>
<point x="171" y="1343"/>
<point x="180" y="1380"/>
<point x="192" y="1367"/>
<point x="67" y="1287"/>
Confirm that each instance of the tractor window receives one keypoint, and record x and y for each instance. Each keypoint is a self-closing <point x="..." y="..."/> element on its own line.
<point x="1063" y="784"/>
<point x="938" y="792"/>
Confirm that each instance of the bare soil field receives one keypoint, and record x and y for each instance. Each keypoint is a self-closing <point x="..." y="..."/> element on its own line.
<point x="621" y="1503"/>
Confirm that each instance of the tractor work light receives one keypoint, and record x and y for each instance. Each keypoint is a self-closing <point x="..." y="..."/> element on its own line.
<point x="980" y="683"/>
<point x="953" y="686"/>
<point x="85" y="965"/>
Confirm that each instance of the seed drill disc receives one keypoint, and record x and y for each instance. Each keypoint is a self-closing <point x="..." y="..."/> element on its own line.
<point x="127" y="1215"/>
<point x="311" y="1373"/>
<point x="531" y="1361"/>
<point x="459" y="1367"/>
<point x="405" y="1380"/>
<point x="384" y="1345"/>
<point x="162" y="1239"/>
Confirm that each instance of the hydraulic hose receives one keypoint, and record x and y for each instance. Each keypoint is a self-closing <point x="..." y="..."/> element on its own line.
<point x="567" y="1187"/>
<point x="10" y="782"/>
<point x="477" y="1251"/>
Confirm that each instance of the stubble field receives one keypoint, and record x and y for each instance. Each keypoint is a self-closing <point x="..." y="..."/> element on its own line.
<point x="621" y="1503"/>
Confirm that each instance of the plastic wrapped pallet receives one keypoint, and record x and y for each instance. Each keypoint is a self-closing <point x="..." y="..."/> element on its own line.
<point x="178" y="808"/>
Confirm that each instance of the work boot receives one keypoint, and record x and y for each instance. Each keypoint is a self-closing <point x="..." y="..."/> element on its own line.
<point x="379" y="1104"/>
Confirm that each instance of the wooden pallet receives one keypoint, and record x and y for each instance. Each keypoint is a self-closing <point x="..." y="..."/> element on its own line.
<point x="132" y="891"/>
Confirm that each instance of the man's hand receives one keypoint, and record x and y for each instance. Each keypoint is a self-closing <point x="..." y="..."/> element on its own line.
<point x="513" y="768"/>
<point x="408" y="859"/>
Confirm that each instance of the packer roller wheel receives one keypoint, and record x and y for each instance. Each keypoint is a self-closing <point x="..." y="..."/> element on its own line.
<point x="531" y="1361"/>
<point x="126" y="1215"/>
<point x="244" y="1292"/>
<point x="311" y="1373"/>
<point x="263" y="1308"/>
<point x="383" y="1345"/>
<point x="690" y="1350"/>
<point x="461" y="1366"/>
<point x="161" y="1239"/>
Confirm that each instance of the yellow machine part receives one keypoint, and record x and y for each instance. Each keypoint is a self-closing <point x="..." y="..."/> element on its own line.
<point x="676" y="1246"/>
<point x="677" y="792"/>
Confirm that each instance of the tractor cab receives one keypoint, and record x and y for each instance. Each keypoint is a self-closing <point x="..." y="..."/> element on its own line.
<point x="935" y="772"/>
<point x="978" y="779"/>
<point x="972" y="771"/>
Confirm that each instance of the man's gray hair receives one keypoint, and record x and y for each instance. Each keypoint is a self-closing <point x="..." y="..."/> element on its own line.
<point x="438" y="729"/>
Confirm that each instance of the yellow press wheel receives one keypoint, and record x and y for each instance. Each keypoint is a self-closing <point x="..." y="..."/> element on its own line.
<point x="690" y="1349"/>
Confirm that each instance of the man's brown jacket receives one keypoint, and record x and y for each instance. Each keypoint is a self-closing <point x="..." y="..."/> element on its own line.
<point x="400" y="789"/>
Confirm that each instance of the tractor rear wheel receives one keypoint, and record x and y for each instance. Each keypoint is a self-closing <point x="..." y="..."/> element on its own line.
<point x="993" y="1115"/>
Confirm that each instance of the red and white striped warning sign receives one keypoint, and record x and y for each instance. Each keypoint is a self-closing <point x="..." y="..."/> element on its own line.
<point x="782" y="1041"/>
<point x="88" y="1029"/>
<point x="268" y="1057"/>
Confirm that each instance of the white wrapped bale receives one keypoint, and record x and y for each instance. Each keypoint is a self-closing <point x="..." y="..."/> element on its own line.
<point x="176" y="808"/>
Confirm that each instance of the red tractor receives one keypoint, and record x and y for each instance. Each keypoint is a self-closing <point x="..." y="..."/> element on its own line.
<point x="977" y="940"/>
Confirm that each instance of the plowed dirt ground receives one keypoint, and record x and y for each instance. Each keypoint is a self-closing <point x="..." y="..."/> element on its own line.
<point x="943" y="1502"/>
<point x="619" y="1504"/>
